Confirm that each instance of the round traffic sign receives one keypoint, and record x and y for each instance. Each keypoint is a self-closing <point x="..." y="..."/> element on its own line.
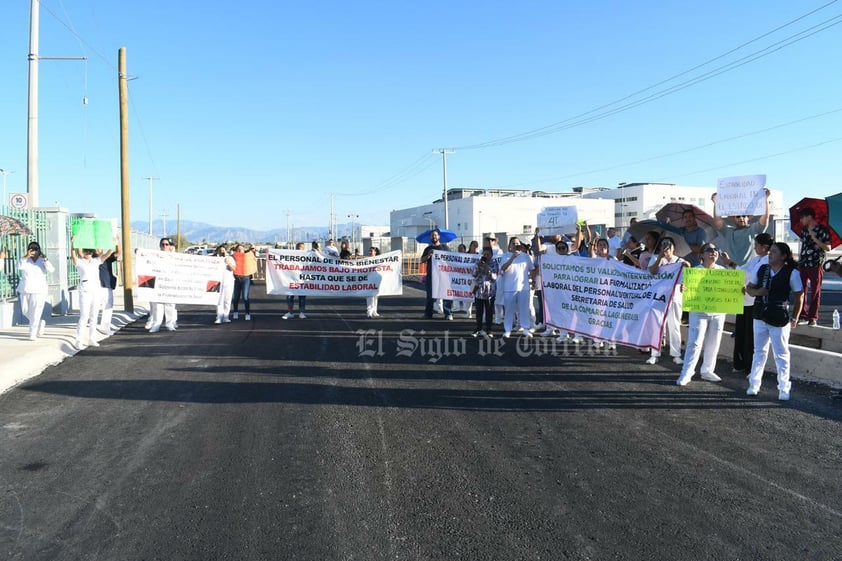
<point x="18" y="200"/>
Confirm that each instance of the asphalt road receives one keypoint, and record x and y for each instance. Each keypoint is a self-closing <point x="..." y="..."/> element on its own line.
<point x="337" y="438"/>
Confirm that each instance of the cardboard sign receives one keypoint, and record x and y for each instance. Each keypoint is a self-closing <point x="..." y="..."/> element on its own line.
<point x="736" y="196"/>
<point x="715" y="291"/>
<point x="558" y="220"/>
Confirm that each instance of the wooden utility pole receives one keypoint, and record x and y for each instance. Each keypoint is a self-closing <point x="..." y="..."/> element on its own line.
<point x="128" y="254"/>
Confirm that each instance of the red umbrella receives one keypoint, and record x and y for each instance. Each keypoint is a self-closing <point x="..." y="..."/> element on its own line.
<point x="673" y="214"/>
<point x="819" y="206"/>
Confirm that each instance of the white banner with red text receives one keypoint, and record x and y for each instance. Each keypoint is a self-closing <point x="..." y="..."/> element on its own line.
<point x="607" y="300"/>
<point x="309" y="273"/>
<point x="178" y="278"/>
<point x="453" y="274"/>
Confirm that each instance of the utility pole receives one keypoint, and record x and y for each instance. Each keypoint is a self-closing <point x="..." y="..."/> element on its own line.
<point x="444" y="154"/>
<point x="178" y="227"/>
<point x="289" y="231"/>
<point x="32" y="111"/>
<point x="331" y="226"/>
<point x="125" y="200"/>
<point x="164" y="218"/>
<point x="150" y="201"/>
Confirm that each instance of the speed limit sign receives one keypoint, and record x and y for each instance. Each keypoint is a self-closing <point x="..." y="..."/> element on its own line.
<point x="18" y="200"/>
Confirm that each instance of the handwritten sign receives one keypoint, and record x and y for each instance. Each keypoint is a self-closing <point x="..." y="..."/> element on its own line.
<point x="558" y="220"/>
<point x="736" y="196"/>
<point x="714" y="291"/>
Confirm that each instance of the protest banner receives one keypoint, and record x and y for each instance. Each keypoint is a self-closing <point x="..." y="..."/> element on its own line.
<point x="92" y="233"/>
<point x="178" y="278"/>
<point x="742" y="195"/>
<point x="715" y="291"/>
<point x="607" y="300"/>
<point x="558" y="220"/>
<point x="453" y="274"/>
<point x="309" y="273"/>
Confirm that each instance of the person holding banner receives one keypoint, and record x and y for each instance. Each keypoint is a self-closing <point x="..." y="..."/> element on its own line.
<point x="246" y="267"/>
<point x="497" y="253"/>
<point x="705" y="332"/>
<point x="302" y="300"/>
<point x="371" y="301"/>
<point x="427" y="260"/>
<point x="738" y="233"/>
<point x="107" y="283"/>
<point x="772" y="286"/>
<point x="665" y="256"/>
<point x="87" y="264"/>
<point x="226" y="287"/>
<point x="32" y="287"/>
<point x="161" y="310"/>
<point x="514" y="274"/>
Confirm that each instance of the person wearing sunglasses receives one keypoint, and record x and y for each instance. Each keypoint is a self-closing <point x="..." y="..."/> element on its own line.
<point x="664" y="255"/>
<point x="161" y="311"/>
<point x="32" y="287"/>
<point x="705" y="332"/>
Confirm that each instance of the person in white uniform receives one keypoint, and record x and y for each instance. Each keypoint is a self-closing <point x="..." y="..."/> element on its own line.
<point x="87" y="264"/>
<point x="664" y="256"/>
<point x="705" y="332"/>
<point x="161" y="310"/>
<point x="32" y="287"/>
<point x="514" y="274"/>
<point x="772" y="285"/>
<point x="226" y="288"/>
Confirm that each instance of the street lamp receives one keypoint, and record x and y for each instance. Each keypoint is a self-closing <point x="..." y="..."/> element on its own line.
<point x="353" y="238"/>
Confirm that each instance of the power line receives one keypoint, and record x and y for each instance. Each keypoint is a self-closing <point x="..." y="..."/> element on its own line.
<point x="583" y="118"/>
<point x="758" y="159"/>
<point x="683" y="151"/>
<point x="415" y="168"/>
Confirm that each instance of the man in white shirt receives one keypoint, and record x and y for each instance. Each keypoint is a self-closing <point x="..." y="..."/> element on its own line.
<point x="514" y="276"/>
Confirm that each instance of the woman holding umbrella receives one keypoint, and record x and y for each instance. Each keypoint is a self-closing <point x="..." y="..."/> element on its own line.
<point x="32" y="287"/>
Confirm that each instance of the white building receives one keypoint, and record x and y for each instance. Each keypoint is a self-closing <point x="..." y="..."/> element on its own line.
<point x="476" y="213"/>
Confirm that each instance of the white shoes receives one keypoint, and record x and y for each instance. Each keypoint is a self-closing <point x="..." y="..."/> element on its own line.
<point x="507" y="334"/>
<point x="711" y="377"/>
<point x="528" y="334"/>
<point x="302" y="316"/>
<point x="78" y="344"/>
<point x="41" y="325"/>
<point x="94" y="344"/>
<point x="783" y="396"/>
<point x="652" y="360"/>
<point x="683" y="380"/>
<point x="236" y="315"/>
<point x="752" y="391"/>
<point x="248" y="317"/>
<point x="217" y="321"/>
<point x="288" y="315"/>
<point x="155" y="329"/>
<point x="678" y="360"/>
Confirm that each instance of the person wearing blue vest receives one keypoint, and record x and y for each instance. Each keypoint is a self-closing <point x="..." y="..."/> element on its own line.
<point x="772" y="285"/>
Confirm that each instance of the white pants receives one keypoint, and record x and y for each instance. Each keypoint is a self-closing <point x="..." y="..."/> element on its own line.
<point x="107" y="306"/>
<point x="516" y="302"/>
<point x="370" y="305"/>
<point x="704" y="335"/>
<point x="88" y="306"/>
<point x="160" y="310"/>
<point x="778" y="337"/>
<point x="223" y="307"/>
<point x="32" y="307"/>
<point x="673" y="327"/>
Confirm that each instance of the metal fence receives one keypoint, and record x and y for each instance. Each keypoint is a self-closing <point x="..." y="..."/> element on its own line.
<point x="13" y="247"/>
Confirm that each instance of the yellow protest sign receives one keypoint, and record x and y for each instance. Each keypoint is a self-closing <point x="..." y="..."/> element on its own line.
<point x="717" y="291"/>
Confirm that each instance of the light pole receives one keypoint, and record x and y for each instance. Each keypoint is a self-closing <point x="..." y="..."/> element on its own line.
<point x="5" y="172"/>
<point x="479" y="226"/>
<point x="427" y="216"/>
<point x="150" y="201"/>
<point x="353" y="233"/>
<point x="444" y="154"/>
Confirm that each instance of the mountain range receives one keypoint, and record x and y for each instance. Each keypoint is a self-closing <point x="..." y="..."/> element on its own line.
<point x="199" y="232"/>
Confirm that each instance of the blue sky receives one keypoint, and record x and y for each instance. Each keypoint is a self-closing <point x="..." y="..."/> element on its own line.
<point x="245" y="111"/>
